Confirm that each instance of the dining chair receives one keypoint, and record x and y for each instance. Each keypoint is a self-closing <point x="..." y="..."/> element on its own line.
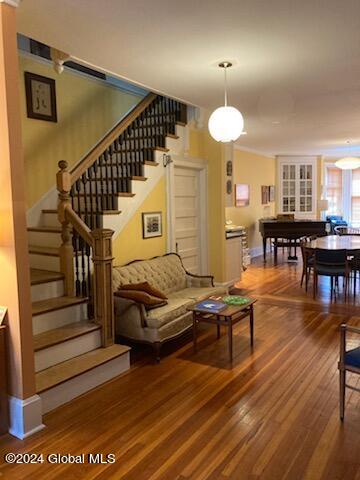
<point x="354" y="263"/>
<point x="333" y="264"/>
<point x="349" y="362"/>
<point x="307" y="259"/>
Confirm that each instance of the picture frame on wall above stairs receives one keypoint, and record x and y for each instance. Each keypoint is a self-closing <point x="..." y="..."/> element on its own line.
<point x="70" y="248"/>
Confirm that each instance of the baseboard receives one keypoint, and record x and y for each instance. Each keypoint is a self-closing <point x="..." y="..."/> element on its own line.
<point x="25" y="416"/>
<point x="258" y="251"/>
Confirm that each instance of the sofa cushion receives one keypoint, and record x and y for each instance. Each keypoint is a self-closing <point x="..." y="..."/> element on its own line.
<point x="175" y="308"/>
<point x="198" y="293"/>
<point x="165" y="273"/>
<point x="144" y="287"/>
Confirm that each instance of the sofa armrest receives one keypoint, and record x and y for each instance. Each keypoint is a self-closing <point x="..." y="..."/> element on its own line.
<point x="199" y="280"/>
<point x="125" y="306"/>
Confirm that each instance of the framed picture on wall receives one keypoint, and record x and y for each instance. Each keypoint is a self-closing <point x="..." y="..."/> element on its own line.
<point x="40" y="97"/>
<point x="264" y="194"/>
<point x="242" y="195"/>
<point x="152" y="224"/>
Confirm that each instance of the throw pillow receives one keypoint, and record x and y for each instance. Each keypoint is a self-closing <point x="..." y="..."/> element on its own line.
<point x="141" y="297"/>
<point x="144" y="287"/>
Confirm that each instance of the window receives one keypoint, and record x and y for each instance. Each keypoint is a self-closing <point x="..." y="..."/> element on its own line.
<point x="334" y="190"/>
<point x="355" y="198"/>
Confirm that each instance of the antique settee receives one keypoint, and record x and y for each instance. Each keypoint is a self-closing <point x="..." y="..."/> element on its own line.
<point x="167" y="273"/>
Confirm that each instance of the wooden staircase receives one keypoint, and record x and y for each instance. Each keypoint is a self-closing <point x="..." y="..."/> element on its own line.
<point x="73" y="318"/>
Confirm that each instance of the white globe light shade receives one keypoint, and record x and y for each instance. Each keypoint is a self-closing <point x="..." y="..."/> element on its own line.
<point x="348" y="163"/>
<point x="226" y="124"/>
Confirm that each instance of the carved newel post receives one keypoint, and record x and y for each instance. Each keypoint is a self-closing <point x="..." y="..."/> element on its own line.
<point x="63" y="182"/>
<point x="103" y="293"/>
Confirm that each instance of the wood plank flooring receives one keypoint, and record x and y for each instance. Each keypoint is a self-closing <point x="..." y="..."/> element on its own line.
<point x="272" y="415"/>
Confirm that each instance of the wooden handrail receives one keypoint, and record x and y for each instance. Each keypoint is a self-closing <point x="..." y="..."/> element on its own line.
<point x="81" y="227"/>
<point x="104" y="143"/>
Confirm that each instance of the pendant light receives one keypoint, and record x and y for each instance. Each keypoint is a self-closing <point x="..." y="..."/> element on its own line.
<point x="226" y="123"/>
<point x="348" y="163"/>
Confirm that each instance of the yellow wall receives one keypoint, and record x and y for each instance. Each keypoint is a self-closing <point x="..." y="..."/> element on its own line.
<point x="86" y="110"/>
<point x="255" y="170"/>
<point x="129" y="244"/>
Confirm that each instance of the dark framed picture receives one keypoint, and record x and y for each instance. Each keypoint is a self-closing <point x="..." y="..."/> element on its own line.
<point x="264" y="194"/>
<point x="229" y="168"/>
<point x="242" y="195"/>
<point x="152" y="224"/>
<point x="40" y="97"/>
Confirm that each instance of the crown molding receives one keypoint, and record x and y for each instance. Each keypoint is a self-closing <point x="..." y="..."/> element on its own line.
<point x="12" y="3"/>
<point x="252" y="150"/>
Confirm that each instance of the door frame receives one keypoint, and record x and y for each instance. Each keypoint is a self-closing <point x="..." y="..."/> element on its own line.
<point x="201" y="167"/>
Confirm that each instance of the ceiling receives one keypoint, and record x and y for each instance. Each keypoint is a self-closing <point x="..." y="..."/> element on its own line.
<point x="296" y="74"/>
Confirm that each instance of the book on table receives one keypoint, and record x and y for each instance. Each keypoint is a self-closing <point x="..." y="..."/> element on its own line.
<point x="210" y="306"/>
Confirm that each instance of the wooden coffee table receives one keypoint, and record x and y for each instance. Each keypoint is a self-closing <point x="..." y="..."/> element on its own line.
<point x="227" y="318"/>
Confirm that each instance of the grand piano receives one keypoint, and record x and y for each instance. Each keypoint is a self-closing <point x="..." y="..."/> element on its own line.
<point x="286" y="232"/>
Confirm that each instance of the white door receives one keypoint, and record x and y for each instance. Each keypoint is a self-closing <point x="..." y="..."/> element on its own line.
<point x="187" y="234"/>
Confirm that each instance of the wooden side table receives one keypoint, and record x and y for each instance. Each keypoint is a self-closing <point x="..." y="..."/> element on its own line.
<point x="227" y="318"/>
<point x="4" y="415"/>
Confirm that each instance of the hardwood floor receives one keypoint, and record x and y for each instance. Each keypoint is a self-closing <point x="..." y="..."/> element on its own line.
<point x="273" y="415"/>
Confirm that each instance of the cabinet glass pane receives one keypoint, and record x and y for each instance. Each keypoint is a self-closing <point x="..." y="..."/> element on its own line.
<point x="309" y="172"/>
<point x="285" y="172"/>
<point x="292" y="172"/>
<point x="302" y="172"/>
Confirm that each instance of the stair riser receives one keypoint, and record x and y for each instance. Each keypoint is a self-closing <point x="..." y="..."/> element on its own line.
<point x="59" y="318"/>
<point x="76" y="386"/>
<point x="48" y="290"/>
<point x="50" y="220"/>
<point x="45" y="262"/>
<point x="64" y="351"/>
<point x="44" y="239"/>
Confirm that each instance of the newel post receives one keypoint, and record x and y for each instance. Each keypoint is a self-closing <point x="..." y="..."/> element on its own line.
<point x="63" y="182"/>
<point x="103" y="293"/>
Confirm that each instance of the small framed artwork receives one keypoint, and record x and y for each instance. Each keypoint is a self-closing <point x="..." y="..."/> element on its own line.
<point x="152" y="224"/>
<point x="229" y="168"/>
<point x="242" y="195"/>
<point x="40" y="97"/>
<point x="229" y="187"/>
<point x="272" y="193"/>
<point x="264" y="194"/>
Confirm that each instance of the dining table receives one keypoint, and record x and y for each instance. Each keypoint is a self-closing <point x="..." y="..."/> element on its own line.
<point x="350" y="243"/>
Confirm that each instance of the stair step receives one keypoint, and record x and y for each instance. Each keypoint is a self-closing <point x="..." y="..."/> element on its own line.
<point x="45" y="229"/>
<point x="57" y="303"/>
<point x="151" y="163"/>
<point x="39" y="250"/>
<point x="38" y="276"/>
<point x="62" y="334"/>
<point x="119" y="194"/>
<point x="172" y="135"/>
<point x="74" y="367"/>
<point x="139" y="178"/>
<point x="161" y="149"/>
<point x="102" y="212"/>
<point x="181" y="124"/>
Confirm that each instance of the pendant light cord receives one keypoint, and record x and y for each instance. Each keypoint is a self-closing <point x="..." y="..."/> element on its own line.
<point x="225" y="82"/>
